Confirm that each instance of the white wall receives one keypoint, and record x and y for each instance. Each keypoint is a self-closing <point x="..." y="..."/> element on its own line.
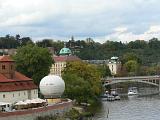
<point x="15" y="96"/>
<point x="114" y="67"/>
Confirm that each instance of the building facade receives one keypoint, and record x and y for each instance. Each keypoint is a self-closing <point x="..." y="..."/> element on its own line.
<point x="114" y="65"/>
<point x="65" y="56"/>
<point x="14" y="86"/>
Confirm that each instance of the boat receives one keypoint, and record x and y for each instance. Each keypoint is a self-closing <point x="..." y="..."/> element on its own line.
<point x="132" y="91"/>
<point x="110" y="97"/>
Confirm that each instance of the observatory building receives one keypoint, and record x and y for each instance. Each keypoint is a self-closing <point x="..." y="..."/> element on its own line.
<point x="52" y="87"/>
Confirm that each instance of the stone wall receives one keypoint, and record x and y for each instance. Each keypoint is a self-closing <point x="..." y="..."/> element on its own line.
<point x="32" y="114"/>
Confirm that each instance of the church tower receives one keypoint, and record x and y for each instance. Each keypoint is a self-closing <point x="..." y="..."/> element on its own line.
<point x="7" y="67"/>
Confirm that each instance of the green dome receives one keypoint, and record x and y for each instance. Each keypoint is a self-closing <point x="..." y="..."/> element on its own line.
<point x="65" y="51"/>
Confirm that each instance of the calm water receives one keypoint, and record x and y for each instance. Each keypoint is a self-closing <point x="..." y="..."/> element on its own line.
<point x="133" y="108"/>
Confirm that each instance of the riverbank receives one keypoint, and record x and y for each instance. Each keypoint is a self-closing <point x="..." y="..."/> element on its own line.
<point x="78" y="112"/>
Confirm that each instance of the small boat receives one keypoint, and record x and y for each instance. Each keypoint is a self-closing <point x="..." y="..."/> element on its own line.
<point x="117" y="97"/>
<point x="110" y="98"/>
<point x="132" y="91"/>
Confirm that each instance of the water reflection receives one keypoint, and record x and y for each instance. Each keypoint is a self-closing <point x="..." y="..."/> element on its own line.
<point x="131" y="108"/>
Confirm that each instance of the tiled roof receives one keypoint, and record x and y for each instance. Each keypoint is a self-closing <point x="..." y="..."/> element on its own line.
<point x="6" y="58"/>
<point x="65" y="58"/>
<point x="17" y="83"/>
<point x="20" y="82"/>
<point x="17" y="86"/>
<point x="19" y="76"/>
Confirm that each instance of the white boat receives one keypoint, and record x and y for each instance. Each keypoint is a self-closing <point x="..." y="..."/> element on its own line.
<point x="132" y="91"/>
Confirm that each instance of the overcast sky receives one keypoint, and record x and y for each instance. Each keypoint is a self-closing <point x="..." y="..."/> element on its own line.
<point x="118" y="20"/>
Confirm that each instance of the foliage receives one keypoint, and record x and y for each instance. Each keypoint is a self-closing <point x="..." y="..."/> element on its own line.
<point x="82" y="81"/>
<point x="146" y="53"/>
<point x="132" y="66"/>
<point x="33" y="61"/>
<point x="130" y="56"/>
<point x="104" y="70"/>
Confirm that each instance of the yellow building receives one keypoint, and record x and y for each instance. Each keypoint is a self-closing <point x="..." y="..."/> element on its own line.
<point x="65" y="56"/>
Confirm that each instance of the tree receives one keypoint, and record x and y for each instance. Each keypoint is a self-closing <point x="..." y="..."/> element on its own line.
<point x="82" y="81"/>
<point x="130" y="56"/>
<point x="104" y="70"/>
<point x="132" y="67"/>
<point x="33" y="61"/>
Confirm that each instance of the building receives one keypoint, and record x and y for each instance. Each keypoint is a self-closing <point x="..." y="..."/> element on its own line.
<point x="14" y="86"/>
<point x="65" y="55"/>
<point x="114" y="65"/>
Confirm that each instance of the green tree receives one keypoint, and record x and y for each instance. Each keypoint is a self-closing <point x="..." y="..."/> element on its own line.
<point x="130" y="56"/>
<point x="104" y="70"/>
<point x="132" y="67"/>
<point x="33" y="61"/>
<point x="82" y="81"/>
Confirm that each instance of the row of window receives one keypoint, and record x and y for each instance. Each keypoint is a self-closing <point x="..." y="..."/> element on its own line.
<point x="59" y="65"/>
<point x="19" y="94"/>
<point x="4" y="67"/>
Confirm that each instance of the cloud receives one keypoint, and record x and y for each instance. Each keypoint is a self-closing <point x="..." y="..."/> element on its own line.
<point x="121" y="34"/>
<point x="100" y="19"/>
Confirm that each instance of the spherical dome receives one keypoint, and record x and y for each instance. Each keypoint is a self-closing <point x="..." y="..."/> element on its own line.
<point x="65" y="51"/>
<point x="52" y="86"/>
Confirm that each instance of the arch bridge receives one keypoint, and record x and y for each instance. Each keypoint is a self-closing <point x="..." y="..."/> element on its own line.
<point x="152" y="80"/>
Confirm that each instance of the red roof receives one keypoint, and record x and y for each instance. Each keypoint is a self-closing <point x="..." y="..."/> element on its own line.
<point x="6" y="58"/>
<point x="17" y="86"/>
<point x="19" y="82"/>
<point x="19" y="76"/>
<point x="65" y="58"/>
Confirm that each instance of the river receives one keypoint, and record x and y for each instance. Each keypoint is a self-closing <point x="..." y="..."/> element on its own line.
<point x="131" y="108"/>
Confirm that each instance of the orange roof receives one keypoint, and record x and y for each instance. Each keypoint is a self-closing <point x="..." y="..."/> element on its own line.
<point x="6" y="58"/>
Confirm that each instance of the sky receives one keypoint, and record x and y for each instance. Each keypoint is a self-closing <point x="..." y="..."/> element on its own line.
<point x="102" y="20"/>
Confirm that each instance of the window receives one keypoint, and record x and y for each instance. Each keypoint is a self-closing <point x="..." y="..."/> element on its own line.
<point x="13" y="95"/>
<point x="4" y="96"/>
<point x="19" y="94"/>
<point x="24" y="93"/>
<point x="3" y="67"/>
<point x="11" y="67"/>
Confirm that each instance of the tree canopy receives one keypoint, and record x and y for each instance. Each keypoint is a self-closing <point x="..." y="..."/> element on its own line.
<point x="33" y="61"/>
<point x="82" y="81"/>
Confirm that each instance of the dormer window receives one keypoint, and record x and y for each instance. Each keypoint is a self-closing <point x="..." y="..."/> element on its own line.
<point x="3" y="67"/>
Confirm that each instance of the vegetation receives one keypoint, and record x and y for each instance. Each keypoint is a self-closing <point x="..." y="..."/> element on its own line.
<point x="71" y="115"/>
<point x="144" y="55"/>
<point x="82" y="82"/>
<point x="33" y="61"/>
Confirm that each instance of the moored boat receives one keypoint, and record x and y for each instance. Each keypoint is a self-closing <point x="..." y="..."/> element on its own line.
<point x="132" y="91"/>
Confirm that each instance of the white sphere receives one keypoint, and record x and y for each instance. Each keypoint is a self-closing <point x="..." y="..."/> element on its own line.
<point x="52" y="86"/>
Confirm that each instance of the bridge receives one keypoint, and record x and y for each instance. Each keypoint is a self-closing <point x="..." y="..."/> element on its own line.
<point x="152" y="80"/>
